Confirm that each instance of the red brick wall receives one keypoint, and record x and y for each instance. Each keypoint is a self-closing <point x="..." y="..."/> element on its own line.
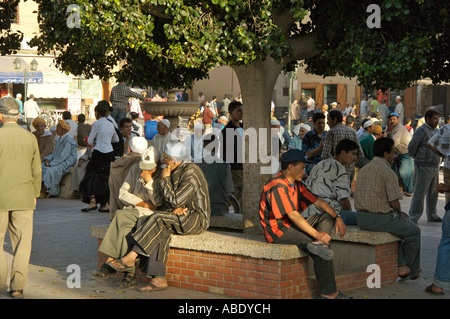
<point x="246" y="277"/>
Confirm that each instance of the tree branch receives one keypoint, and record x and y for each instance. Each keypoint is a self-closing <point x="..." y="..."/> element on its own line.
<point x="304" y="46"/>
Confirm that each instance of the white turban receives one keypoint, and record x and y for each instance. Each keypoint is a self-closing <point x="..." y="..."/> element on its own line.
<point x="138" y="144"/>
<point x="175" y="149"/>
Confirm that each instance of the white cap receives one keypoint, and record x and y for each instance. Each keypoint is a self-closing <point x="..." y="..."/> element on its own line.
<point x="166" y="122"/>
<point x="307" y="127"/>
<point x="175" y="149"/>
<point x="274" y="122"/>
<point x="148" y="159"/>
<point x="334" y="103"/>
<point x="223" y="118"/>
<point x="398" y="97"/>
<point x="368" y="123"/>
<point x="138" y="144"/>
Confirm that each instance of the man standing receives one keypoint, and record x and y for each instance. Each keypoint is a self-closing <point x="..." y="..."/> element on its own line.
<point x="283" y="205"/>
<point x="19" y="100"/>
<point x="119" y="100"/>
<point x="384" y="110"/>
<point x="225" y="103"/>
<point x="295" y="113"/>
<point x="20" y="185"/>
<point x="403" y="164"/>
<point x="399" y="109"/>
<point x="312" y="143"/>
<point x="363" y="106"/>
<point x="377" y="203"/>
<point x="231" y="146"/>
<point x="31" y="110"/>
<point x="311" y="106"/>
<point x="426" y="169"/>
<point x="337" y="133"/>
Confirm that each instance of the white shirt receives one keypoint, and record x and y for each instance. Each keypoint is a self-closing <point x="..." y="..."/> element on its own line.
<point x="311" y="105"/>
<point x="31" y="109"/>
<point x="102" y="135"/>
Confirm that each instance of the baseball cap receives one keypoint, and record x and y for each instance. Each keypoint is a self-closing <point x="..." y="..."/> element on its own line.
<point x="9" y="106"/>
<point x="148" y="159"/>
<point x="393" y="114"/>
<point x="294" y="155"/>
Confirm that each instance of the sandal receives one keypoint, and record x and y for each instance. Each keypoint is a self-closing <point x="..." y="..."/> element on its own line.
<point x="128" y="281"/>
<point x="430" y="290"/>
<point x="322" y="250"/>
<point x="18" y="296"/>
<point x="411" y="275"/>
<point x="124" y="268"/>
<point x="340" y="295"/>
<point x="104" y="271"/>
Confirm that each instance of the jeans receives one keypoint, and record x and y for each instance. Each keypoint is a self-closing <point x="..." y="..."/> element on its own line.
<point x="118" y="114"/>
<point x="397" y="225"/>
<point x="442" y="273"/>
<point x="425" y="180"/>
<point x="403" y="166"/>
<point x="348" y="216"/>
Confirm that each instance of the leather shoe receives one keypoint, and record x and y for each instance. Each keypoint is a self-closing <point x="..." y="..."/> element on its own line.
<point x="88" y="209"/>
<point x="436" y="220"/>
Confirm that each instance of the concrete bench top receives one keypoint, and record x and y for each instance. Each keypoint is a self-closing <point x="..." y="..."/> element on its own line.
<point x="255" y="246"/>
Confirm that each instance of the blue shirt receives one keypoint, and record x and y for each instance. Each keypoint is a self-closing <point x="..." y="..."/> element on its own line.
<point x="310" y="142"/>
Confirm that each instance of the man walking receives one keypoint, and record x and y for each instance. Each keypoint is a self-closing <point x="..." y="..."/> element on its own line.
<point x="20" y="185"/>
<point x="426" y="169"/>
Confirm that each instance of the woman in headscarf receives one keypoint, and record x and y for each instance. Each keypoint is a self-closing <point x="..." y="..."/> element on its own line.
<point x="94" y="188"/>
<point x="59" y="163"/>
<point x="44" y="138"/>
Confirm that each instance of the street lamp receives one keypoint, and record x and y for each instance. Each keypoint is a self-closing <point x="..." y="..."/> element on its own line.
<point x="18" y="65"/>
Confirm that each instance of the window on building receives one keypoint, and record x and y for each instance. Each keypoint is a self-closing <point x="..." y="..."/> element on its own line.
<point x="330" y="93"/>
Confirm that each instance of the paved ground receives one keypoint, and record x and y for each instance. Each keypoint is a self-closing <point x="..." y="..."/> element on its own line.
<point x="62" y="238"/>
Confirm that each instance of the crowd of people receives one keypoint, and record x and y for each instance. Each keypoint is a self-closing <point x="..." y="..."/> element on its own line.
<point x="336" y="169"/>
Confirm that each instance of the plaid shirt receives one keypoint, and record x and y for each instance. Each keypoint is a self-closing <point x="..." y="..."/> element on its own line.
<point x="120" y="95"/>
<point x="376" y="186"/>
<point x="334" y="136"/>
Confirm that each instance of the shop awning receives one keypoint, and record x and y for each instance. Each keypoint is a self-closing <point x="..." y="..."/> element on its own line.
<point x="8" y="74"/>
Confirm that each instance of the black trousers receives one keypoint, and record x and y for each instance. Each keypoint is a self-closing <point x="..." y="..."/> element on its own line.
<point x="324" y="269"/>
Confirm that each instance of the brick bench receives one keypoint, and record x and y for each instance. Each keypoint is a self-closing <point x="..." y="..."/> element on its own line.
<point x="245" y="266"/>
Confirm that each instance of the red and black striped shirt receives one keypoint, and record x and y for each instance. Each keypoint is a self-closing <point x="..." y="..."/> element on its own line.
<point x="279" y="198"/>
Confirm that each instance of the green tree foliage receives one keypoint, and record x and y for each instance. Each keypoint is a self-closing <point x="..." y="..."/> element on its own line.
<point x="172" y="43"/>
<point x="9" y="40"/>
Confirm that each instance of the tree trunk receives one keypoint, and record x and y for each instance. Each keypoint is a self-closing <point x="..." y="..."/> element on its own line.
<point x="257" y="81"/>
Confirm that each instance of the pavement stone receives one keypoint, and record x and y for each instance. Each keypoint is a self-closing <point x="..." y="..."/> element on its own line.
<point x="62" y="238"/>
